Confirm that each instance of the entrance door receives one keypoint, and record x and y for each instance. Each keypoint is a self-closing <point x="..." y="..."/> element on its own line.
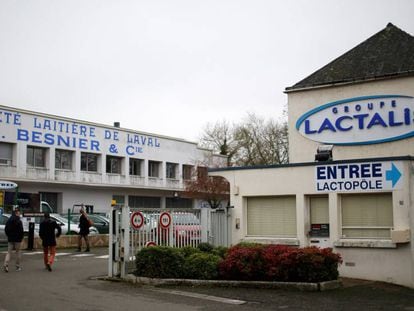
<point x="319" y="221"/>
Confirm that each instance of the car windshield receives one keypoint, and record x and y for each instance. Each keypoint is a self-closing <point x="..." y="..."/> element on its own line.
<point x="59" y="218"/>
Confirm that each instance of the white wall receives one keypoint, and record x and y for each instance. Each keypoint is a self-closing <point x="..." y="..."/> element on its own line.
<point x="302" y="149"/>
<point x="368" y="259"/>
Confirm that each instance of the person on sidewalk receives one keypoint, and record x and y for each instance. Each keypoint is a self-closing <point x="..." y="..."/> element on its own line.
<point x="49" y="230"/>
<point x="14" y="232"/>
<point x="84" y="225"/>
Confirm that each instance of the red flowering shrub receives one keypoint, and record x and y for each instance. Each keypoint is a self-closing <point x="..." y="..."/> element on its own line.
<point x="242" y="263"/>
<point x="280" y="263"/>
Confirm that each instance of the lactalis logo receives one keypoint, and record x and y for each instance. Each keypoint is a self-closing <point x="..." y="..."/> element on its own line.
<point x="360" y="121"/>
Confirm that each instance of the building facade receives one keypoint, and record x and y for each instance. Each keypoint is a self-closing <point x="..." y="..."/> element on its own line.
<point x="67" y="162"/>
<point x="349" y="184"/>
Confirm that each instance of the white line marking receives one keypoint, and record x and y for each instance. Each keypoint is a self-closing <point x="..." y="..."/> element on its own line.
<point x="202" y="296"/>
<point x="33" y="253"/>
<point x="103" y="257"/>
<point x="83" y="255"/>
<point x="63" y="254"/>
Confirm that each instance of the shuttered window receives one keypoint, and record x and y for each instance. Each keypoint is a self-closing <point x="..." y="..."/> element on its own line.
<point x="367" y="215"/>
<point x="319" y="210"/>
<point x="6" y="153"/>
<point x="271" y="216"/>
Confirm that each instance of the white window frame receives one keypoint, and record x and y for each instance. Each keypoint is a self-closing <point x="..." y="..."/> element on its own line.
<point x="37" y="151"/>
<point x="171" y="170"/>
<point x="69" y="154"/>
<point x="87" y="154"/>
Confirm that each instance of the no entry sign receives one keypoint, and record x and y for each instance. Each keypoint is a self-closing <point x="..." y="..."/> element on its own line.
<point x="165" y="220"/>
<point x="137" y="220"/>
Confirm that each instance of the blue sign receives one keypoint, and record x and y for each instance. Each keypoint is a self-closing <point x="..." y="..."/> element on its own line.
<point x="360" y="121"/>
<point x="374" y="176"/>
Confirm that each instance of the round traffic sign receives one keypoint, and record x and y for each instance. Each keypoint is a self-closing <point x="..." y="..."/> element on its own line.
<point x="165" y="220"/>
<point x="150" y="243"/>
<point x="137" y="220"/>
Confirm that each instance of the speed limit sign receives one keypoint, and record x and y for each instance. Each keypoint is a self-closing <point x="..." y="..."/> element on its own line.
<point x="137" y="220"/>
<point x="165" y="220"/>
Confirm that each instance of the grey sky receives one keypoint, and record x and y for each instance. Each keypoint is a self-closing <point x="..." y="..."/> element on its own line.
<point x="170" y="66"/>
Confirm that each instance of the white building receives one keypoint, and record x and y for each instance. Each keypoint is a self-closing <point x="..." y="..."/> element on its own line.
<point x="69" y="162"/>
<point x="359" y="199"/>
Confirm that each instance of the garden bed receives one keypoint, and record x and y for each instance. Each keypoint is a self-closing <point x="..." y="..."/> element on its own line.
<point x="243" y="265"/>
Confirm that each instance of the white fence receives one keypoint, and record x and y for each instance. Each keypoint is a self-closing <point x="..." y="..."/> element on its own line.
<point x="133" y="229"/>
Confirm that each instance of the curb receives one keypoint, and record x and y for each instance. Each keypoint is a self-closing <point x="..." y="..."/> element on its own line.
<point x="298" y="286"/>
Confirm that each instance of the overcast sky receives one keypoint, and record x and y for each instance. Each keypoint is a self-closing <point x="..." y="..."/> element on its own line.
<point x="170" y="66"/>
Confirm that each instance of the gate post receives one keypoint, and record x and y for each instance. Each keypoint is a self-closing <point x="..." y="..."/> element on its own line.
<point x="205" y="226"/>
<point x="113" y="260"/>
<point x="125" y="255"/>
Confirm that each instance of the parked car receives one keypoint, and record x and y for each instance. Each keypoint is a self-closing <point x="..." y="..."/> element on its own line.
<point x="187" y="229"/>
<point x="74" y="229"/>
<point x="100" y="222"/>
<point x="3" y="220"/>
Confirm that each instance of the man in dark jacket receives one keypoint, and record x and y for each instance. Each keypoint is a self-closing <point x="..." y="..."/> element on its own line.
<point x="48" y="232"/>
<point x="84" y="225"/>
<point x="14" y="232"/>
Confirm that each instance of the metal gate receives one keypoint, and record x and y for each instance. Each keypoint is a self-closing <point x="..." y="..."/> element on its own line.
<point x="133" y="229"/>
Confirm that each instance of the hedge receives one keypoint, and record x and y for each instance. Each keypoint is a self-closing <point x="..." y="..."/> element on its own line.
<point x="241" y="262"/>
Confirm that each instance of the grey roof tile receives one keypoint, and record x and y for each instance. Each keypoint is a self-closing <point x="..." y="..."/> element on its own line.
<point x="388" y="53"/>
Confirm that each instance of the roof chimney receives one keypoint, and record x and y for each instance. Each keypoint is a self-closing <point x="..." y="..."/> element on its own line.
<point x="117" y="124"/>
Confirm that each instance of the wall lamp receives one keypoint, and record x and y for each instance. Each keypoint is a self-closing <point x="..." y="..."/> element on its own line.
<point x="324" y="153"/>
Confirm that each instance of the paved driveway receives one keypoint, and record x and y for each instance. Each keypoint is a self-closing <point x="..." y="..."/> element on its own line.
<point x="73" y="285"/>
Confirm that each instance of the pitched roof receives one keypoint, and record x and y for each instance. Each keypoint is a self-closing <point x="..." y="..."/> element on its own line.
<point x="388" y="53"/>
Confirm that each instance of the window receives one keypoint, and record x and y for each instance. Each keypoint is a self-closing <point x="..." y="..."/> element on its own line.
<point x="36" y="157"/>
<point x="144" y="202"/>
<point x="179" y="203"/>
<point x="187" y="172"/>
<point x="6" y="154"/>
<point x="154" y="169"/>
<point x="271" y="216"/>
<point x="89" y="162"/>
<point x="63" y="159"/>
<point x="171" y="170"/>
<point x="135" y="166"/>
<point x="367" y="215"/>
<point x="113" y="165"/>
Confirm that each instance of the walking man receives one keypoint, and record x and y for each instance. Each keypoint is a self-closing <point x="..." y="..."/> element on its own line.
<point x="84" y="224"/>
<point x="48" y="232"/>
<point x="14" y="232"/>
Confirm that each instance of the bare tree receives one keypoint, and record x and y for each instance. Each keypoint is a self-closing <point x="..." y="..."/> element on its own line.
<point x="254" y="141"/>
<point x="219" y="137"/>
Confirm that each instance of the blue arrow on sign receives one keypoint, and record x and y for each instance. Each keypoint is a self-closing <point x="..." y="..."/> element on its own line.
<point x="393" y="174"/>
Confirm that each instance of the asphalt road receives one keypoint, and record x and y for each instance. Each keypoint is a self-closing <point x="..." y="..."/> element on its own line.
<point x="74" y="285"/>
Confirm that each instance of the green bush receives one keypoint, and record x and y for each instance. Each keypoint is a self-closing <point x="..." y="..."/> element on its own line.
<point x="220" y="251"/>
<point x="202" y="266"/>
<point x="205" y="247"/>
<point x="160" y="262"/>
<point x="187" y="251"/>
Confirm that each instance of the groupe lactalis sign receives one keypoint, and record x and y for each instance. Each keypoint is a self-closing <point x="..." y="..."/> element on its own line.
<point x="360" y="120"/>
<point x="365" y="176"/>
